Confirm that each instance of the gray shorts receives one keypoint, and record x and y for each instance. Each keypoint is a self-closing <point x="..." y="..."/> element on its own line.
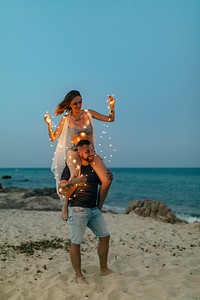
<point x="80" y="218"/>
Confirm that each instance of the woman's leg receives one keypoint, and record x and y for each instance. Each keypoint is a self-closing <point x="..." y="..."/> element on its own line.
<point x="74" y="164"/>
<point x="101" y="170"/>
<point x="64" y="214"/>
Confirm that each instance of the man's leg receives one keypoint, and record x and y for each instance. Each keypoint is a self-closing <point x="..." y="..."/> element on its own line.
<point x="75" y="256"/>
<point x="98" y="226"/>
<point x="103" y="248"/>
<point x="77" y="225"/>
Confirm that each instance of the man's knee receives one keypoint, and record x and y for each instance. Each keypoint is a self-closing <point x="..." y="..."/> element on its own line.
<point x="104" y="239"/>
<point x="75" y="247"/>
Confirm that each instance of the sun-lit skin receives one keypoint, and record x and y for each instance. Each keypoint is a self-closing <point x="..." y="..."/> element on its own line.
<point x="87" y="154"/>
<point x="80" y="120"/>
<point x="76" y="105"/>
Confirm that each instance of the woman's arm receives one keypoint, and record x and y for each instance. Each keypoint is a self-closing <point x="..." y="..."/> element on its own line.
<point x="53" y="135"/>
<point x="104" y="118"/>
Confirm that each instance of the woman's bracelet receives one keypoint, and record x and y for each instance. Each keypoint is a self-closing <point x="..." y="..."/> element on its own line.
<point x="49" y="123"/>
<point x="112" y="111"/>
<point x="111" y="114"/>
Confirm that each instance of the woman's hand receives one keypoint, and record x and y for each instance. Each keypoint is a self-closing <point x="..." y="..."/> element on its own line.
<point x="111" y="101"/>
<point x="47" y="118"/>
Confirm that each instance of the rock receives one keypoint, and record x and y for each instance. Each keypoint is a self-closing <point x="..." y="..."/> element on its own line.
<point x="6" y="177"/>
<point x="50" y="192"/>
<point x="39" y="199"/>
<point x="154" y="209"/>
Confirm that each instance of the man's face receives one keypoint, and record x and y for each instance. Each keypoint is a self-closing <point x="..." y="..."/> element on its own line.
<point x="86" y="153"/>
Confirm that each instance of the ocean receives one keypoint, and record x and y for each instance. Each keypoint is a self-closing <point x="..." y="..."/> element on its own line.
<point x="179" y="188"/>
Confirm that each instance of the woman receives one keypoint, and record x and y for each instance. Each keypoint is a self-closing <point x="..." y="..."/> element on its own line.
<point x="74" y="126"/>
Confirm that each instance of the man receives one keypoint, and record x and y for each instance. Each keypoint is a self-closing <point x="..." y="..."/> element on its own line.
<point x="85" y="210"/>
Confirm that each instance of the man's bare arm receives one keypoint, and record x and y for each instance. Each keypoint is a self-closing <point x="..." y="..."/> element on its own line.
<point x="65" y="188"/>
<point x="68" y="187"/>
<point x="103" y="192"/>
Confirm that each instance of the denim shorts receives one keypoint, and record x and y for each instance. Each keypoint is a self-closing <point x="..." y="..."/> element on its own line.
<point x="80" y="218"/>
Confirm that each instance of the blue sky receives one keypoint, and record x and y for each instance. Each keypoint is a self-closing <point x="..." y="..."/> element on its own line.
<point x="145" y="52"/>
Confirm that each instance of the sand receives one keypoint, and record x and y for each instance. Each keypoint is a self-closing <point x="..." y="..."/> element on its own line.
<point x="151" y="260"/>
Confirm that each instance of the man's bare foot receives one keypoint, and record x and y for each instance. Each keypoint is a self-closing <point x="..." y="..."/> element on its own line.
<point x="106" y="272"/>
<point x="81" y="280"/>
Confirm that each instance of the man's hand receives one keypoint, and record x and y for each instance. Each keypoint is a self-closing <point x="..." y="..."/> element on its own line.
<point x="68" y="187"/>
<point x="79" y="180"/>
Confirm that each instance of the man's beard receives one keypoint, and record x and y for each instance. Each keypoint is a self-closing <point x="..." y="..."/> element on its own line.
<point x="89" y="158"/>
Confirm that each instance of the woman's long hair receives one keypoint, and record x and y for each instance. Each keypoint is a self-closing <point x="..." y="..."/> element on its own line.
<point x="64" y="105"/>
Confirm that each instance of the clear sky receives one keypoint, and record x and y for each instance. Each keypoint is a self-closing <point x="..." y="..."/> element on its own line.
<point x="145" y="52"/>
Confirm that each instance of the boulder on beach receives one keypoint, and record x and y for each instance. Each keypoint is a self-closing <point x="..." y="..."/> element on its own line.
<point x="154" y="209"/>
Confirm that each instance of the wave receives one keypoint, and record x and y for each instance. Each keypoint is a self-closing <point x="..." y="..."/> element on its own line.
<point x="188" y="218"/>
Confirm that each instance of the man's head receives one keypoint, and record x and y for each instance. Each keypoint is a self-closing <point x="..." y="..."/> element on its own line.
<point x="85" y="151"/>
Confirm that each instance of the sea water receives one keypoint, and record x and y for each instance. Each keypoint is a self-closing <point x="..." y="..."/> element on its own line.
<point x="179" y="188"/>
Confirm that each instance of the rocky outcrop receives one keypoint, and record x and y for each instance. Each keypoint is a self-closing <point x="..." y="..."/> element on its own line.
<point x="47" y="199"/>
<point x="38" y="199"/>
<point x="154" y="209"/>
<point x="50" y="192"/>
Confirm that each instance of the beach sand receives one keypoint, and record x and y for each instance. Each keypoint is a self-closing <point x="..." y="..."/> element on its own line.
<point x="151" y="260"/>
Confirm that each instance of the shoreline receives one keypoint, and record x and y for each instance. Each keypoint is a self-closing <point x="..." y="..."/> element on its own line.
<point x="46" y="199"/>
<point x="176" y="187"/>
